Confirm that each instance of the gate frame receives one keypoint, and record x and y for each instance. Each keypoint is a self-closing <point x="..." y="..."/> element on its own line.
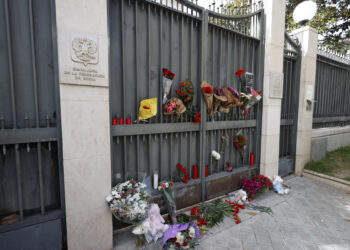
<point x="38" y="135"/>
<point x="294" y="43"/>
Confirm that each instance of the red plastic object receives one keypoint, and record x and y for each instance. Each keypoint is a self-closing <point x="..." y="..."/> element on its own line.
<point x="206" y="171"/>
<point x="114" y="121"/>
<point x="128" y="121"/>
<point x="121" y="121"/>
<point x="251" y="159"/>
<point x="195" y="171"/>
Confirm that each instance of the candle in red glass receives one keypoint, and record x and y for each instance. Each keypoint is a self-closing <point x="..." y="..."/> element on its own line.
<point x="206" y="171"/>
<point x="114" y="121"/>
<point x="128" y="121"/>
<point x="251" y="159"/>
<point x="121" y="121"/>
<point x="195" y="171"/>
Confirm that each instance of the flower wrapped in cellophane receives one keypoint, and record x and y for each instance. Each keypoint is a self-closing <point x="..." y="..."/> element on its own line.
<point x="167" y="192"/>
<point x="232" y="97"/>
<point x="168" y="78"/>
<point x="248" y="100"/>
<point x="129" y="201"/>
<point x="174" y="106"/>
<point x="207" y="91"/>
<point x="181" y="236"/>
<point x="218" y="97"/>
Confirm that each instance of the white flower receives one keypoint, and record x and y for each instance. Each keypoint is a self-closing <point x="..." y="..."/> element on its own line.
<point x="109" y="198"/>
<point x="186" y="247"/>
<point x="172" y="247"/>
<point x="142" y="185"/>
<point x="179" y="238"/>
<point x="191" y="232"/>
<point x="137" y="196"/>
<point x="166" y="185"/>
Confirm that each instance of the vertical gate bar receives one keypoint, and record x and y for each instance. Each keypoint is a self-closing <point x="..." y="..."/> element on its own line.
<point x="41" y="185"/>
<point x="203" y="124"/>
<point x="9" y="50"/>
<point x="136" y="66"/>
<point x="171" y="47"/>
<point x="228" y="60"/>
<point x="189" y="153"/>
<point x="149" y="52"/>
<point x="160" y="155"/>
<point x="19" y="181"/>
<point x="57" y="103"/>
<point x="171" y="155"/>
<point x="210" y="134"/>
<point x="124" y="158"/>
<point x="123" y="56"/>
<point x="213" y="55"/>
<point x="150" y="168"/>
<point x="33" y="62"/>
<point x="191" y="44"/>
<point x="41" y="182"/>
<point x="220" y="60"/>
<point x="161" y="65"/>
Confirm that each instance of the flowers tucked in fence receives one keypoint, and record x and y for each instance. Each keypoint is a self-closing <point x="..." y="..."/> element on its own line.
<point x="186" y="93"/>
<point x="181" y="174"/>
<point x="168" y="77"/>
<point x="128" y="201"/>
<point x="174" y="106"/>
<point x="240" y="141"/>
<point x="166" y="188"/>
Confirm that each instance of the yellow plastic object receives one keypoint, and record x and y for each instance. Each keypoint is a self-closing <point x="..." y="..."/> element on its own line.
<point x="148" y="108"/>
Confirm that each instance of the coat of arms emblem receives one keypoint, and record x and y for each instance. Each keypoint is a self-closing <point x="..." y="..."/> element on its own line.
<point x="85" y="50"/>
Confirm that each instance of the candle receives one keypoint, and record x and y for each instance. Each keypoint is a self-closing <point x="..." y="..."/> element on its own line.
<point x="121" y="121"/>
<point x="155" y="180"/>
<point x="114" y="121"/>
<point x="195" y="171"/>
<point x="206" y="171"/>
<point x="128" y="121"/>
<point x="251" y="159"/>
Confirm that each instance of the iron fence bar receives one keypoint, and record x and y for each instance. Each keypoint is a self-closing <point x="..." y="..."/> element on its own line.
<point x="19" y="181"/>
<point x="10" y="63"/>
<point x="27" y="135"/>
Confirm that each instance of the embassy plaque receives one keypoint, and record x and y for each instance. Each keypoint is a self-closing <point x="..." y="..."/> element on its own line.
<point x="276" y="84"/>
<point x="83" y="58"/>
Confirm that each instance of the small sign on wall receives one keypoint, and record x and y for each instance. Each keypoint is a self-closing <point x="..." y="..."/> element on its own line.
<point x="83" y="58"/>
<point x="276" y="84"/>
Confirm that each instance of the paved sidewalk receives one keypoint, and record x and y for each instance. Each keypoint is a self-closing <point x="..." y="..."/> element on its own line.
<point x="312" y="216"/>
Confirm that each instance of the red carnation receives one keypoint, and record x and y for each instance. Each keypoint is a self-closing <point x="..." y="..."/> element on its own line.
<point x="178" y="91"/>
<point x="189" y="90"/>
<point x="195" y="211"/>
<point x="177" y="244"/>
<point x="172" y="75"/>
<point x="207" y="90"/>
<point x="188" y="99"/>
<point x="183" y="93"/>
<point x="173" y="239"/>
<point x="240" y="72"/>
<point x="182" y="84"/>
<point x="165" y="71"/>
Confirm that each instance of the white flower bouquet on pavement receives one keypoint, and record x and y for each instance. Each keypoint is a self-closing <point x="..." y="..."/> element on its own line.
<point x="129" y="201"/>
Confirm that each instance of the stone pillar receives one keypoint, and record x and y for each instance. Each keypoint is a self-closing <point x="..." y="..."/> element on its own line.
<point x="307" y="36"/>
<point x="273" y="86"/>
<point x="84" y="95"/>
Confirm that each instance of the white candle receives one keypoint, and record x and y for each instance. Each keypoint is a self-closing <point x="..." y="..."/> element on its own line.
<point x="155" y="180"/>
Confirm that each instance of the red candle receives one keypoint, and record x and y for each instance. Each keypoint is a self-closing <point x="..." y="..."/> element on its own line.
<point x="195" y="171"/>
<point x="206" y="171"/>
<point x="114" y="121"/>
<point x="128" y="121"/>
<point x="251" y="159"/>
<point x="121" y="121"/>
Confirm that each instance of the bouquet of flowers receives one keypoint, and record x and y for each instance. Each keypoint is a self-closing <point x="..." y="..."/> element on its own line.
<point x="240" y="143"/>
<point x="168" y="77"/>
<point x="218" y="97"/>
<point x="181" y="236"/>
<point x="128" y="201"/>
<point x="167" y="192"/>
<point x="248" y="100"/>
<point x="174" y="106"/>
<point x="185" y="93"/>
<point x="181" y="174"/>
<point x="251" y="186"/>
<point x="232" y="100"/>
<point x="207" y="91"/>
<point x="240" y="73"/>
<point x="264" y="181"/>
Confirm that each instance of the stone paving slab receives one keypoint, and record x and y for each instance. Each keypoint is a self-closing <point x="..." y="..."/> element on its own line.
<point x="312" y="216"/>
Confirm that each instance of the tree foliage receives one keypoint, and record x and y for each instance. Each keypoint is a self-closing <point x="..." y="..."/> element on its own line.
<point x="332" y="21"/>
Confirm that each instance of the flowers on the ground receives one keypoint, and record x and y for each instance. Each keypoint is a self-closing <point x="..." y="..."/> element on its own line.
<point x="181" y="236"/>
<point x="251" y="186"/>
<point x="236" y="207"/>
<point x="128" y="201"/>
<point x="195" y="211"/>
<point x="264" y="181"/>
<point x="166" y="187"/>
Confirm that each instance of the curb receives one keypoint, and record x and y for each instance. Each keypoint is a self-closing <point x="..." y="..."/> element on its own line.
<point x="330" y="180"/>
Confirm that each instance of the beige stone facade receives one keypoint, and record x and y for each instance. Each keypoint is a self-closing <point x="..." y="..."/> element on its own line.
<point x="85" y="127"/>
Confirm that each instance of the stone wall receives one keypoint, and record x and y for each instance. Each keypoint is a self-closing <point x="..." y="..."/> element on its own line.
<point x="326" y="140"/>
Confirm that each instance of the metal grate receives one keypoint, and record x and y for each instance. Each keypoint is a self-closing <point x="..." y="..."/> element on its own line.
<point x="146" y="36"/>
<point x="332" y="105"/>
<point x="30" y="159"/>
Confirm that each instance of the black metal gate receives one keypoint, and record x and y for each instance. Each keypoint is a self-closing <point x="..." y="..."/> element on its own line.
<point x="146" y="36"/>
<point x="290" y="104"/>
<point x="31" y="175"/>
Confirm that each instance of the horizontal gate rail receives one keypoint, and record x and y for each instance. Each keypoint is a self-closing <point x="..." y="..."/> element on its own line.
<point x="332" y="105"/>
<point x="27" y="135"/>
